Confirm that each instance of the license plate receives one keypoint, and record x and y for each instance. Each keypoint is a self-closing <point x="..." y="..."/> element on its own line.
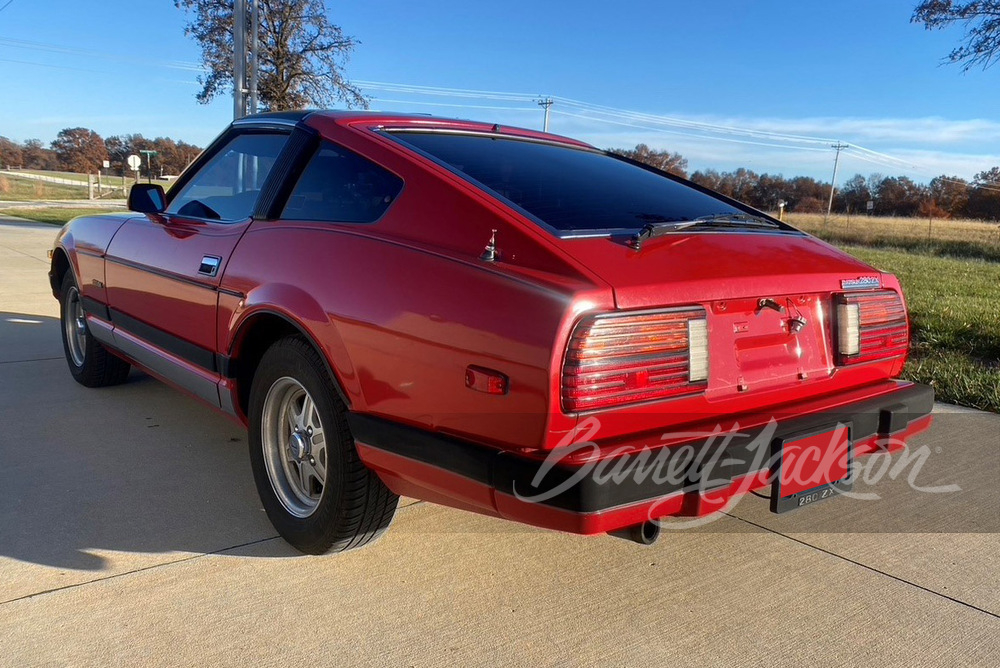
<point x="812" y="466"/>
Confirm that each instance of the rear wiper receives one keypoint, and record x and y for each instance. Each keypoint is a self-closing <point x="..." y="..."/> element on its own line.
<point x="652" y="230"/>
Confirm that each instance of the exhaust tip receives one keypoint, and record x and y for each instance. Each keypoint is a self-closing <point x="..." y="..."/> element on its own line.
<point x="644" y="533"/>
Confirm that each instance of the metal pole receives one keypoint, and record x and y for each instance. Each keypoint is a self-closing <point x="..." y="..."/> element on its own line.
<point x="545" y="103"/>
<point x="833" y="184"/>
<point x="254" y="56"/>
<point x="239" y="58"/>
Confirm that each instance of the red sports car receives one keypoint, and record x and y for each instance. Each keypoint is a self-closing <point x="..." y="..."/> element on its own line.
<point x="495" y="319"/>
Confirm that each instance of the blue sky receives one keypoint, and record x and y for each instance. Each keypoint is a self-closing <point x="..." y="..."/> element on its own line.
<point x="848" y="70"/>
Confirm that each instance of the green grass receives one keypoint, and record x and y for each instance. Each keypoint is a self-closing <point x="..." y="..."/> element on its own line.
<point x="54" y="215"/>
<point x="942" y="238"/>
<point x="956" y="323"/>
<point x="20" y="190"/>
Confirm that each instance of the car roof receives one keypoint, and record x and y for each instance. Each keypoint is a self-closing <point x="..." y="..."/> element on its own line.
<point x="401" y="120"/>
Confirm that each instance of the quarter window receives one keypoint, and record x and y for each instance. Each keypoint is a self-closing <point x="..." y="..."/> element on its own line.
<point x="342" y="187"/>
<point x="227" y="186"/>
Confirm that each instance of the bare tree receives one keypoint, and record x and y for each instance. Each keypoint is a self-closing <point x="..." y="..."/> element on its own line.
<point x="981" y="43"/>
<point x="666" y="161"/>
<point x="302" y="55"/>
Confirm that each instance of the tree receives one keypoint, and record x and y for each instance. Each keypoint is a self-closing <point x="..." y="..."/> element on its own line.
<point x="899" y="196"/>
<point x="984" y="199"/>
<point x="981" y="18"/>
<point x="10" y="153"/>
<point x="173" y="156"/>
<point x="767" y="192"/>
<point x="34" y="155"/>
<point x="951" y="193"/>
<point x="807" y="195"/>
<point x="302" y="55"/>
<point x="79" y="150"/>
<point x="708" y="178"/>
<point x="856" y="194"/>
<point x="738" y="184"/>
<point x="665" y="161"/>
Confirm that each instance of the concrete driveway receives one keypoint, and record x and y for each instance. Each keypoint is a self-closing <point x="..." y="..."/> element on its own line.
<point x="130" y="533"/>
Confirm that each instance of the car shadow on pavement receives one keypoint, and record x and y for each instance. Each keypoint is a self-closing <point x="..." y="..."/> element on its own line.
<point x="138" y="468"/>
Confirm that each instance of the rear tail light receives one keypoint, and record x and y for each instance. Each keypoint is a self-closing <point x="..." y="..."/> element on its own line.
<point x="618" y="359"/>
<point x="871" y="326"/>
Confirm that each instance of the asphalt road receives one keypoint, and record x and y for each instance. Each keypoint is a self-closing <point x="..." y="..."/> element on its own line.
<point x="130" y="533"/>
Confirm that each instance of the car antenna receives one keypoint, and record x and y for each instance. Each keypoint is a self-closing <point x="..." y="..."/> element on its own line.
<point x="490" y="253"/>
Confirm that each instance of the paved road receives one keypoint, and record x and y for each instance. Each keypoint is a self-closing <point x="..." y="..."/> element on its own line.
<point x="130" y="532"/>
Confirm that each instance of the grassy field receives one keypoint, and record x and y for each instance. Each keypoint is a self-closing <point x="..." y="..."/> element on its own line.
<point x="956" y="323"/>
<point x="54" y="215"/>
<point x="20" y="190"/>
<point x="69" y="176"/>
<point x="947" y="238"/>
<point x="950" y="271"/>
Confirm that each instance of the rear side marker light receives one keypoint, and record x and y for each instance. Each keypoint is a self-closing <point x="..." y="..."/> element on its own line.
<point x="617" y="359"/>
<point x="486" y="380"/>
<point x="871" y="326"/>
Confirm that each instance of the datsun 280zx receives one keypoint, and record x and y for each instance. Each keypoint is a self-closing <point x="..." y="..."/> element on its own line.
<point x="498" y="320"/>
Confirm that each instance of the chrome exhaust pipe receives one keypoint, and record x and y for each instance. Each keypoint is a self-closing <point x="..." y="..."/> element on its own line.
<point x="644" y="533"/>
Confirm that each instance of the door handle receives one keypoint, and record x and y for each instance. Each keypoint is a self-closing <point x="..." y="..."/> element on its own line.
<point x="210" y="265"/>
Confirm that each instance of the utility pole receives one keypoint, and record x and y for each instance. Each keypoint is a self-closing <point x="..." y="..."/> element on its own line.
<point x="833" y="184"/>
<point x="545" y="103"/>
<point x="254" y="55"/>
<point x="239" y="58"/>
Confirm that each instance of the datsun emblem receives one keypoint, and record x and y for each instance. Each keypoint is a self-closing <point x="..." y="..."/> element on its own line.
<point x="861" y="283"/>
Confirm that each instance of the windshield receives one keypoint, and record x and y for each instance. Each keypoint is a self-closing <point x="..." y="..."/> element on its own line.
<point x="569" y="189"/>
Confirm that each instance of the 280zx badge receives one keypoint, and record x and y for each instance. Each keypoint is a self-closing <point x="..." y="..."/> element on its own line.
<point x="861" y="283"/>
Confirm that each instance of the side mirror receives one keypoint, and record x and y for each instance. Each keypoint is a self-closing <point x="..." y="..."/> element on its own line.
<point x="147" y="198"/>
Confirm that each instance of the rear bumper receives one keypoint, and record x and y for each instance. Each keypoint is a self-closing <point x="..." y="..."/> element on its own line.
<point x="594" y="488"/>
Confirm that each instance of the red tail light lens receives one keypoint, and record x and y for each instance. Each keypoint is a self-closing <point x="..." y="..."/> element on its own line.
<point x="619" y="359"/>
<point x="871" y="326"/>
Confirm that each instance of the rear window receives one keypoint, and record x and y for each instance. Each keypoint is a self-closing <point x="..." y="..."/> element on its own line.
<point x="568" y="189"/>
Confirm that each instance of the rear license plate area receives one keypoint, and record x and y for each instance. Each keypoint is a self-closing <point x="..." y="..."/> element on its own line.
<point x="811" y="466"/>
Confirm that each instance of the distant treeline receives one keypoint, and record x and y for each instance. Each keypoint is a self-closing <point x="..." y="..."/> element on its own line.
<point x="84" y="151"/>
<point x="944" y="197"/>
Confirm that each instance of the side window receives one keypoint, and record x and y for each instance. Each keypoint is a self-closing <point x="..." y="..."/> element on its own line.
<point x="227" y="186"/>
<point x="341" y="187"/>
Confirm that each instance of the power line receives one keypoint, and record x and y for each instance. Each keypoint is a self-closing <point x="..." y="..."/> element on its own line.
<point x="6" y="5"/>
<point x="690" y="134"/>
<point x="461" y="106"/>
<point x="74" y="51"/>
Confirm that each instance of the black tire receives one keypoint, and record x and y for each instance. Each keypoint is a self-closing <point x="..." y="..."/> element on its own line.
<point x="90" y="363"/>
<point x="354" y="507"/>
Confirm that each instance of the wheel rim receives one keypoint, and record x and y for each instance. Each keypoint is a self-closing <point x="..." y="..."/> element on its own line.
<point x="294" y="445"/>
<point x="75" y="327"/>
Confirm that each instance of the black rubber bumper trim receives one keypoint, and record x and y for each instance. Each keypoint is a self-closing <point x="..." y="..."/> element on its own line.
<point x="201" y="357"/>
<point x="95" y="308"/>
<point x="715" y="463"/>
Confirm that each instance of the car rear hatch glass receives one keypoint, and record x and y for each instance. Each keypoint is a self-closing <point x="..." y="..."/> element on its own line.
<point x="568" y="190"/>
